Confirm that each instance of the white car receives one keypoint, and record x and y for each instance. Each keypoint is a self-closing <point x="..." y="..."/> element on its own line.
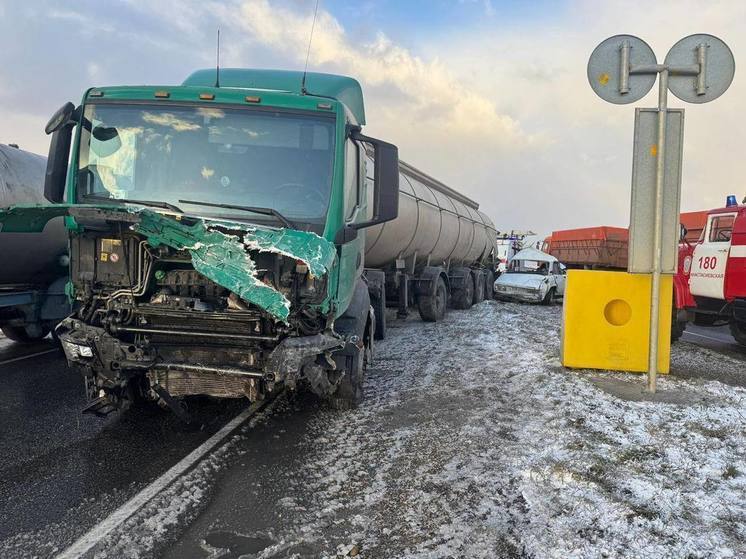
<point x="532" y="276"/>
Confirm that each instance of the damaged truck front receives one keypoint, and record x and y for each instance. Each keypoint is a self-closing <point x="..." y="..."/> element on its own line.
<point x="215" y="236"/>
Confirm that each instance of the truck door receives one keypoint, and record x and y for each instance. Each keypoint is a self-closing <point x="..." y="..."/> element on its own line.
<point x="707" y="277"/>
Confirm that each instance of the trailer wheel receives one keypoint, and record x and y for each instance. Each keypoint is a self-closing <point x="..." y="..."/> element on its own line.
<point x="24" y="334"/>
<point x="479" y="287"/>
<point x="489" y="285"/>
<point x="738" y="330"/>
<point x="677" y="329"/>
<point x="433" y="307"/>
<point x="463" y="297"/>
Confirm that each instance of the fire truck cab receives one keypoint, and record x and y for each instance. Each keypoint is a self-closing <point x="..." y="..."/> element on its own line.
<point x="716" y="270"/>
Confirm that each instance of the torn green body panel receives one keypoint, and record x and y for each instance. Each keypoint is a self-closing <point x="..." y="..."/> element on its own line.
<point x="223" y="257"/>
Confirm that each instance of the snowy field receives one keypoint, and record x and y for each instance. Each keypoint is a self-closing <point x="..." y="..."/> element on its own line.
<point x="474" y="442"/>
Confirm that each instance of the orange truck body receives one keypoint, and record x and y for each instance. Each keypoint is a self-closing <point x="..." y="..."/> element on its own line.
<point x="606" y="247"/>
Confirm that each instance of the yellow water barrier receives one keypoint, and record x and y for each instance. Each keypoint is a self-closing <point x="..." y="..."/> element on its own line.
<point x="606" y="321"/>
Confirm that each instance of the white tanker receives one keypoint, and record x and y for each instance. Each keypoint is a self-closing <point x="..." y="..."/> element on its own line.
<point x="33" y="270"/>
<point x="440" y="251"/>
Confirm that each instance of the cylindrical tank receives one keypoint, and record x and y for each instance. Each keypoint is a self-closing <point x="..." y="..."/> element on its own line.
<point x="436" y="225"/>
<point x="27" y="258"/>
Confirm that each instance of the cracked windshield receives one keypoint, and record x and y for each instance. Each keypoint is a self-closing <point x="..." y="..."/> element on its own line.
<point x="266" y="159"/>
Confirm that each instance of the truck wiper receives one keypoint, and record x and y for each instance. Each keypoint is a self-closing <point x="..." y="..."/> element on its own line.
<point x="153" y="203"/>
<point x="256" y="209"/>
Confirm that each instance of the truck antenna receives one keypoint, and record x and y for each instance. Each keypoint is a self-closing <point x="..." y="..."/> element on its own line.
<point x="303" y="89"/>
<point x="217" y="62"/>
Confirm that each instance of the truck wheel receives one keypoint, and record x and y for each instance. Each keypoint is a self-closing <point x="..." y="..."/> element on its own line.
<point x="25" y="334"/>
<point x="549" y="297"/>
<point x="489" y="285"/>
<point x="479" y="287"/>
<point x="463" y="297"/>
<point x="738" y="330"/>
<point x="433" y="307"/>
<point x="379" y="309"/>
<point x="349" y="392"/>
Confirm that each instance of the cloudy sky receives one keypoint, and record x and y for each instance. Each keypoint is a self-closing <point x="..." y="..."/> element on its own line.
<point x="489" y="96"/>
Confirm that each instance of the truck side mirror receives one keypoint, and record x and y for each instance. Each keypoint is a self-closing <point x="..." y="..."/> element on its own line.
<point x="61" y="128"/>
<point x="682" y="232"/>
<point x="386" y="181"/>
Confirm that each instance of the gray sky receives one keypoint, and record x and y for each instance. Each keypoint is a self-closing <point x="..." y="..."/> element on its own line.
<point x="490" y="97"/>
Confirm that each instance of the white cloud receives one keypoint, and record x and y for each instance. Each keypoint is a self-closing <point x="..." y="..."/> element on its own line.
<point x="500" y="111"/>
<point x="427" y="96"/>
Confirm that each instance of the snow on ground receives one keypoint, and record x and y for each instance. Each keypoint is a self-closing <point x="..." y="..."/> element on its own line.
<point x="474" y="442"/>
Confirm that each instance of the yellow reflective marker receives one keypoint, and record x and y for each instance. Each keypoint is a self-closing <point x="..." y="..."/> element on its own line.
<point x="654" y="150"/>
<point x="603" y="79"/>
<point x="606" y="321"/>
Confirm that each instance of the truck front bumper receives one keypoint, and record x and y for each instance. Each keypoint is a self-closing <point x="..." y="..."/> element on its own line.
<point x="229" y="371"/>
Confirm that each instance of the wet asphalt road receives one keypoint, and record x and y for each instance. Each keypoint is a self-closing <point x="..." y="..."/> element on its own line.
<point x="714" y="337"/>
<point x="61" y="471"/>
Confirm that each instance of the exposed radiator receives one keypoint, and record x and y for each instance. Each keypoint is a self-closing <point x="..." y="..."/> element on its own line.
<point x="188" y="383"/>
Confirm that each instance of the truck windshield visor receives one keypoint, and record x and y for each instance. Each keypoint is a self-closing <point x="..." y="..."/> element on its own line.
<point x="241" y="156"/>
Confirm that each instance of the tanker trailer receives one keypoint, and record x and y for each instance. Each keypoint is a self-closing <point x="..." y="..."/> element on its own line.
<point x="440" y="250"/>
<point x="34" y="273"/>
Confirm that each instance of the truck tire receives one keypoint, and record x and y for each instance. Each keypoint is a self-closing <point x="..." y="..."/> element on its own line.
<point x="738" y="331"/>
<point x="463" y="297"/>
<point x="24" y="335"/>
<point x="433" y="307"/>
<point x="349" y="392"/>
<point x="479" y="286"/>
<point x="489" y="285"/>
<point x="549" y="297"/>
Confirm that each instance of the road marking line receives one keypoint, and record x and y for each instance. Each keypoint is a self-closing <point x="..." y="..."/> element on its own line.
<point x="707" y="337"/>
<point x="101" y="530"/>
<point x="22" y="357"/>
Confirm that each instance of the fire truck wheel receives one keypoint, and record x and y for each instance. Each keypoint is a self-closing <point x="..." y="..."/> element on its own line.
<point x="677" y="329"/>
<point x="738" y="330"/>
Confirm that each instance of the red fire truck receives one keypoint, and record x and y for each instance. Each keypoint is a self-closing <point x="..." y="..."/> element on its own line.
<point x="711" y="284"/>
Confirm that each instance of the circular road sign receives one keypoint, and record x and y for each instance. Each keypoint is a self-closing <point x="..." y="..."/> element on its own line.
<point x="605" y="69"/>
<point x="719" y="68"/>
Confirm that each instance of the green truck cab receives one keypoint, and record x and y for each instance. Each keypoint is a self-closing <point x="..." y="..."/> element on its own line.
<point x="217" y="236"/>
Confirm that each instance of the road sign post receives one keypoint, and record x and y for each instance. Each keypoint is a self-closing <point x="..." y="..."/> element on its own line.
<point x="621" y="70"/>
